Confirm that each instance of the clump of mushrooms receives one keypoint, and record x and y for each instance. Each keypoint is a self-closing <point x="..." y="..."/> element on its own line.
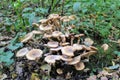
<point x="62" y="46"/>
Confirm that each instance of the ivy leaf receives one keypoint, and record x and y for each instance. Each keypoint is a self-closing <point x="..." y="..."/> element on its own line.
<point x="76" y="6"/>
<point x="15" y="46"/>
<point x="117" y="53"/>
<point x="5" y="57"/>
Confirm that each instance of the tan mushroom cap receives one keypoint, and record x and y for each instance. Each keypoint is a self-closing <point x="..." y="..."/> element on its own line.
<point x="88" y="42"/>
<point x="79" y="66"/>
<point x="79" y="35"/>
<point x="68" y="51"/>
<point x="56" y="49"/>
<point x="34" y="54"/>
<point x="93" y="48"/>
<point x="65" y="19"/>
<point x="55" y="16"/>
<point x="59" y="71"/>
<point x="72" y="17"/>
<point x="53" y="44"/>
<point x="36" y="32"/>
<point x="75" y="60"/>
<point x="45" y="28"/>
<point x="86" y="47"/>
<point x="47" y="35"/>
<point x="35" y="25"/>
<point x="77" y="46"/>
<point x="56" y="33"/>
<point x="66" y="58"/>
<point x="27" y="37"/>
<point x="22" y="52"/>
<point x="87" y="54"/>
<point x="105" y="47"/>
<point x="64" y="44"/>
<point x="52" y="58"/>
<point x="43" y="21"/>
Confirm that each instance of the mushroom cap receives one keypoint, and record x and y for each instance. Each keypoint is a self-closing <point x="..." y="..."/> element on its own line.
<point x="79" y="66"/>
<point x="22" y="52"/>
<point x="59" y="71"/>
<point x="77" y="46"/>
<point x="88" y="42"/>
<point x="75" y="60"/>
<point x="79" y="35"/>
<point x="72" y="17"/>
<point x="43" y="21"/>
<point x="34" y="54"/>
<point x="56" y="33"/>
<point x="36" y="32"/>
<point x="56" y="49"/>
<point x="64" y="44"/>
<point x="68" y="50"/>
<point x="66" y="58"/>
<point x="86" y="47"/>
<point x="52" y="58"/>
<point x="87" y="54"/>
<point x="65" y="19"/>
<point x="105" y="47"/>
<point x="93" y="48"/>
<point x="47" y="35"/>
<point x="35" y="25"/>
<point x="27" y="37"/>
<point x="52" y="44"/>
<point x="45" y="28"/>
<point x="53" y="16"/>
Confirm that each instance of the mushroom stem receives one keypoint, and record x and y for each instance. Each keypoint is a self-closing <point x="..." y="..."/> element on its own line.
<point x="72" y="39"/>
<point x="78" y="41"/>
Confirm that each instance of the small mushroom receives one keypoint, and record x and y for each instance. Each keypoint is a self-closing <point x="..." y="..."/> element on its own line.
<point x="88" y="42"/>
<point x="105" y="47"/>
<point x="45" y="28"/>
<point x="56" y="49"/>
<point x="72" y="17"/>
<point x="53" y="16"/>
<point x="22" y="52"/>
<point x="64" y="44"/>
<point x="78" y="36"/>
<point x="77" y="46"/>
<point x="56" y="34"/>
<point x="27" y="37"/>
<point x="93" y="48"/>
<point x="63" y="38"/>
<point x="47" y="36"/>
<point x="86" y="47"/>
<point x="87" y="54"/>
<point x="43" y="21"/>
<point x="51" y="59"/>
<point x="79" y="66"/>
<point x="35" y="24"/>
<point x="34" y="54"/>
<point x="72" y="38"/>
<point x="66" y="58"/>
<point x="75" y="60"/>
<point x="68" y="51"/>
<point x="52" y="44"/>
<point x="36" y="32"/>
<point x="59" y="71"/>
<point x="65" y="19"/>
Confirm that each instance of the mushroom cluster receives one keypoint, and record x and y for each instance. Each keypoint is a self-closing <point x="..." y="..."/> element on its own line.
<point x="61" y="44"/>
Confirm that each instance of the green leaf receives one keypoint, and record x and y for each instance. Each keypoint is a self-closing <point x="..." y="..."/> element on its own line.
<point x="117" y="53"/>
<point x="5" y="57"/>
<point x="114" y="67"/>
<point x="14" y="47"/>
<point x="76" y="6"/>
